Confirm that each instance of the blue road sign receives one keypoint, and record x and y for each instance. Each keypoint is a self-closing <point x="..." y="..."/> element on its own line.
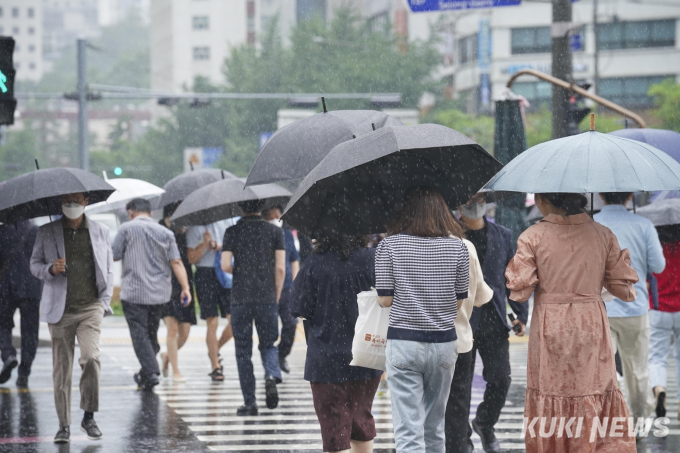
<point x="419" y="6"/>
<point x="264" y="136"/>
<point x="575" y="42"/>
<point x="211" y="155"/>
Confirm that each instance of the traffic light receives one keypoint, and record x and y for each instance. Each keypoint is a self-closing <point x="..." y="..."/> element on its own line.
<point x="7" y="73"/>
<point x="117" y="171"/>
<point x="575" y="114"/>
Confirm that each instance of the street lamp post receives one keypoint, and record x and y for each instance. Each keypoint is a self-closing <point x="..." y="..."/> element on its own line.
<point x="82" y="106"/>
<point x="561" y="65"/>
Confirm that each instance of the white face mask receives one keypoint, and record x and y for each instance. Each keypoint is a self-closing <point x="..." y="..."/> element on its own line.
<point x="72" y="210"/>
<point x="474" y="210"/>
<point x="277" y="222"/>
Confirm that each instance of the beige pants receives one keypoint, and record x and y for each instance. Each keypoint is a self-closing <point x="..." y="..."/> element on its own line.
<point x="86" y="326"/>
<point x="630" y="336"/>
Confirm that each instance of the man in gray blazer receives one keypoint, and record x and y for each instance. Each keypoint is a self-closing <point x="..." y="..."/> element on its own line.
<point x="73" y="257"/>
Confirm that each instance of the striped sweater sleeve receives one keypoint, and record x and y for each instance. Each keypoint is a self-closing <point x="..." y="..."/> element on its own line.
<point x="463" y="273"/>
<point x="384" y="271"/>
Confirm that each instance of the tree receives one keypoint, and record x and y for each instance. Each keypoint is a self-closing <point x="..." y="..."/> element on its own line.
<point x="667" y="98"/>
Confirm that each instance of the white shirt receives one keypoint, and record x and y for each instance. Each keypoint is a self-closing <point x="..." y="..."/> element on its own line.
<point x="217" y="229"/>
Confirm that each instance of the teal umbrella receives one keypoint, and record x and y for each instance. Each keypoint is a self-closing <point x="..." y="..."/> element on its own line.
<point x="589" y="162"/>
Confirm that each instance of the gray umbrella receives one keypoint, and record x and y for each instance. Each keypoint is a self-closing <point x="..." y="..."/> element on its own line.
<point x="589" y="162"/>
<point x="179" y="187"/>
<point x="293" y="151"/>
<point x="358" y="187"/>
<point x="661" y="213"/>
<point x="219" y="201"/>
<point x="38" y="193"/>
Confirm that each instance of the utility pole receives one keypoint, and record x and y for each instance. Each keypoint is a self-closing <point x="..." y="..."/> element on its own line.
<point x="561" y="65"/>
<point x="82" y="106"/>
<point x="596" y="55"/>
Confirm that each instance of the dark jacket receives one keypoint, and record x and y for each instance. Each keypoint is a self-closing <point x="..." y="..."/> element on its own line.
<point x="16" y="246"/>
<point x="499" y="252"/>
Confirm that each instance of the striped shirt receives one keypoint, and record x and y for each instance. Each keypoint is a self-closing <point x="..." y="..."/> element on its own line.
<point x="146" y="249"/>
<point x="426" y="276"/>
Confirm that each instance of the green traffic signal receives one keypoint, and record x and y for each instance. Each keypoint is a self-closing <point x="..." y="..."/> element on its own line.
<point x="3" y="79"/>
<point x="117" y="171"/>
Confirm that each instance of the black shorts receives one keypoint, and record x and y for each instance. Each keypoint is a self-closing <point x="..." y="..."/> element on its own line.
<point x="182" y="314"/>
<point x="213" y="300"/>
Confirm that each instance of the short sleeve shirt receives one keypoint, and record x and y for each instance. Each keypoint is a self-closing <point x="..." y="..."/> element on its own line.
<point x="195" y="237"/>
<point x="254" y="243"/>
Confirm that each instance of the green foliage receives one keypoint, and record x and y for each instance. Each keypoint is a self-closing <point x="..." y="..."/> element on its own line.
<point x="667" y="97"/>
<point x="479" y="128"/>
<point x="17" y="153"/>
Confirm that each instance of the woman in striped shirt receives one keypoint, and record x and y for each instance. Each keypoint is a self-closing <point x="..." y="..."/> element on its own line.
<point x="422" y="271"/>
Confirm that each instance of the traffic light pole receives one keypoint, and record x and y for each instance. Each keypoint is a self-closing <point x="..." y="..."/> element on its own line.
<point x="561" y="66"/>
<point x="82" y="106"/>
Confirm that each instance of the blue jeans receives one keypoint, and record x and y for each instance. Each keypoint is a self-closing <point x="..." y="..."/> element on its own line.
<point x="266" y="317"/>
<point x="662" y="325"/>
<point x="419" y="375"/>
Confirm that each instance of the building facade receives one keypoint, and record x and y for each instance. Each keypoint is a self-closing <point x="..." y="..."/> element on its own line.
<point x="22" y="20"/>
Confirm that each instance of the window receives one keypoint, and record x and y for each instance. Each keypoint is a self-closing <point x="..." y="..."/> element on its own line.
<point x="31" y="12"/>
<point x="629" y="91"/>
<point x="201" y="53"/>
<point x="1" y="11"/>
<point x="15" y="30"/>
<point x="467" y="49"/>
<point x="15" y="12"/>
<point x="531" y="40"/>
<point x="636" y="35"/>
<point x="31" y="66"/>
<point x="307" y="9"/>
<point x="537" y="93"/>
<point x="31" y="30"/>
<point x="201" y="22"/>
<point x="31" y="48"/>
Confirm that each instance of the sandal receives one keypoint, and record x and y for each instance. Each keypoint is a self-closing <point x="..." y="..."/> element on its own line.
<point x="217" y="375"/>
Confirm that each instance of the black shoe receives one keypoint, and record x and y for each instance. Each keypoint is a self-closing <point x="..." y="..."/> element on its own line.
<point x="145" y="383"/>
<point x="22" y="382"/>
<point x="271" y="394"/>
<point x="10" y="364"/>
<point x="63" y="435"/>
<point x="217" y="375"/>
<point x="247" y="410"/>
<point x="661" y="404"/>
<point x="489" y="442"/>
<point x="283" y="364"/>
<point x="90" y="428"/>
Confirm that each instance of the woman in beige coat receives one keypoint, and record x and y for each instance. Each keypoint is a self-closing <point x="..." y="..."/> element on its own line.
<point x="565" y="260"/>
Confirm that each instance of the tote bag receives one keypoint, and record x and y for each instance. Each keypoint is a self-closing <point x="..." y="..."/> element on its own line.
<point x="370" y="332"/>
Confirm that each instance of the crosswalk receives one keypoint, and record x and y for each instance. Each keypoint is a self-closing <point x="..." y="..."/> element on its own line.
<point x="209" y="409"/>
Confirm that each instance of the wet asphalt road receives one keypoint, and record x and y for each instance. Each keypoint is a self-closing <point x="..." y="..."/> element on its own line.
<point x="199" y="416"/>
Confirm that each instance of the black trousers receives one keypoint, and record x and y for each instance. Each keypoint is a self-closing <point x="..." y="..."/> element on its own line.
<point x="288" y="324"/>
<point x="143" y="321"/>
<point x="456" y="424"/>
<point x="491" y="340"/>
<point x="30" y="322"/>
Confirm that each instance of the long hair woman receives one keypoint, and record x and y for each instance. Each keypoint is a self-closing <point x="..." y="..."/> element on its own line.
<point x="422" y="272"/>
<point x="565" y="260"/>
<point x="325" y="294"/>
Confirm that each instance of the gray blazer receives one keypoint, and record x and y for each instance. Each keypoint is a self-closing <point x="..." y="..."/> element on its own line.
<point x="53" y="299"/>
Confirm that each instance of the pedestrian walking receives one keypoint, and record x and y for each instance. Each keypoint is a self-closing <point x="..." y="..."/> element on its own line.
<point x="664" y="318"/>
<point x="149" y="254"/>
<point x="565" y="259"/>
<point x="494" y="247"/>
<point x="288" y="321"/>
<point x="629" y="322"/>
<point x="458" y="405"/>
<point x="19" y="290"/>
<point x="73" y="257"/>
<point x="259" y="271"/>
<point x="213" y="300"/>
<point x="422" y="271"/>
<point x="178" y="318"/>
<point x="325" y="294"/>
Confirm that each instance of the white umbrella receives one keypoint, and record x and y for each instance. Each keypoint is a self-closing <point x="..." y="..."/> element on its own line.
<point x="126" y="190"/>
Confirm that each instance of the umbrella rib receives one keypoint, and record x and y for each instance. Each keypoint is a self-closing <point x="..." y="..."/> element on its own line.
<point x="628" y="158"/>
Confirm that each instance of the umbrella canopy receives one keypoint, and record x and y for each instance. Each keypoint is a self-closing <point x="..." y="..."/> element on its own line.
<point x="358" y="186"/>
<point x="38" y="193"/>
<point x="589" y="162"/>
<point x="662" y="213"/>
<point x="179" y="187"/>
<point x="126" y="190"/>
<point x="666" y="141"/>
<point x="219" y="201"/>
<point x="293" y="151"/>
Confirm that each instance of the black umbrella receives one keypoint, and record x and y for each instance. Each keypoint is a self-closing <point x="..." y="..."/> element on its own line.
<point x="179" y="187"/>
<point x="219" y="201"/>
<point x="38" y="193"/>
<point x="358" y="186"/>
<point x="293" y="151"/>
